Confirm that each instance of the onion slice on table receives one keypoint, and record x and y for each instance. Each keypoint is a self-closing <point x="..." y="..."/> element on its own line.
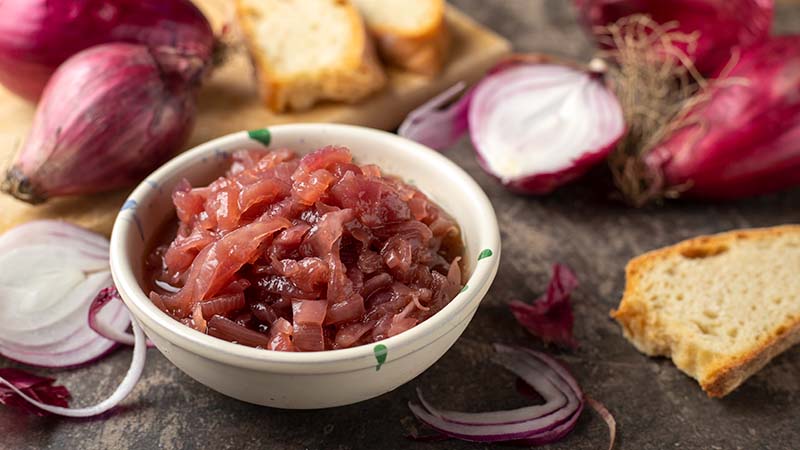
<point x="536" y="123"/>
<point x="49" y="273"/>
<point x="532" y="425"/>
<point x="125" y="387"/>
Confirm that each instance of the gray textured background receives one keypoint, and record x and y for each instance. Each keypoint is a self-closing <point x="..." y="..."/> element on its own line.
<point x="656" y="406"/>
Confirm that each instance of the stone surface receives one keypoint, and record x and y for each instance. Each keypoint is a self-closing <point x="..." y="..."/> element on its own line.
<point x="656" y="406"/>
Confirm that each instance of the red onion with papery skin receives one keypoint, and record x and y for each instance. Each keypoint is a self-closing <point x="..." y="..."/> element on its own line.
<point x="536" y="123"/>
<point x="36" y="36"/>
<point x="745" y="139"/>
<point x="107" y="118"/>
<point x="723" y="25"/>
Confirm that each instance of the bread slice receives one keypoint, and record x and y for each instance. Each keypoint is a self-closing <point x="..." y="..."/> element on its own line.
<point x="721" y="306"/>
<point x="305" y="51"/>
<point x="411" y="34"/>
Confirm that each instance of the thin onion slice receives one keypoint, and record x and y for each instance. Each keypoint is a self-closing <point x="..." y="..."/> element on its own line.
<point x="49" y="273"/>
<point x="125" y="387"/>
<point x="607" y="417"/>
<point x="530" y="425"/>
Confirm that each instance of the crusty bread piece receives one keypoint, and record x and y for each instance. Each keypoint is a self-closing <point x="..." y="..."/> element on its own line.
<point x="411" y="34"/>
<point x="309" y="50"/>
<point x="721" y="306"/>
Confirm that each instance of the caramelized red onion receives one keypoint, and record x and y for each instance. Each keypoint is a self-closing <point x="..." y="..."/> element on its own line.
<point x="36" y="36"/>
<point x="531" y="425"/>
<point x="107" y="118"/>
<point x="535" y="123"/>
<point x="305" y="254"/>
<point x="718" y="27"/>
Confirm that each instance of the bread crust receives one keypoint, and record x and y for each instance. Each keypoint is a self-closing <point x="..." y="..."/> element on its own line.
<point x="358" y="75"/>
<point x="718" y="375"/>
<point x="423" y="51"/>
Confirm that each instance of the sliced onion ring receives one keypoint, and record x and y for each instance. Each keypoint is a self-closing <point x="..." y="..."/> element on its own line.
<point x="530" y="425"/>
<point x="125" y="387"/>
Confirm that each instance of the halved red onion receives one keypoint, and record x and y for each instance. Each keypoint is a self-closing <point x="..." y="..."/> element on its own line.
<point x="535" y="123"/>
<point x="529" y="425"/>
<point x="538" y="126"/>
<point x="49" y="273"/>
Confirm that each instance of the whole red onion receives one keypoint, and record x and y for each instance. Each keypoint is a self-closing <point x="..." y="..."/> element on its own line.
<point x="36" y="36"/>
<point x="722" y="24"/>
<point x="745" y="139"/>
<point x="106" y="119"/>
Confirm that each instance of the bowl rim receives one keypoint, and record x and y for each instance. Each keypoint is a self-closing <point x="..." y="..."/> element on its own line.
<point x="240" y="355"/>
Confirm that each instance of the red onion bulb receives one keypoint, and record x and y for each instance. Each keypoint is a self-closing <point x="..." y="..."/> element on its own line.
<point x="36" y="36"/>
<point x="720" y="25"/>
<point x="745" y="139"/>
<point x="107" y="118"/>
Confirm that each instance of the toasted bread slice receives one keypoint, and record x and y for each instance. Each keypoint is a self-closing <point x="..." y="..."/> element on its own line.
<point x="305" y="51"/>
<point x="721" y="306"/>
<point x="411" y="34"/>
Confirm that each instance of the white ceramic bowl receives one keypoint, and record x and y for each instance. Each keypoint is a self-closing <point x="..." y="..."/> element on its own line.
<point x="312" y="379"/>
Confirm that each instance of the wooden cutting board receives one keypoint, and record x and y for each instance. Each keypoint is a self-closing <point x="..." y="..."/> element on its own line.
<point x="229" y="102"/>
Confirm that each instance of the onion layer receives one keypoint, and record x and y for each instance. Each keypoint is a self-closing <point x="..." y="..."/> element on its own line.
<point x="550" y="316"/>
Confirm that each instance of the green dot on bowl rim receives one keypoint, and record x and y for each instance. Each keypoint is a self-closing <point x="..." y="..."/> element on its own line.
<point x="261" y="135"/>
